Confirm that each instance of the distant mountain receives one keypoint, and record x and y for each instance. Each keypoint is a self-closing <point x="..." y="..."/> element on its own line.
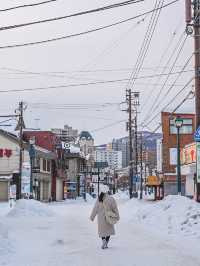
<point x="150" y="139"/>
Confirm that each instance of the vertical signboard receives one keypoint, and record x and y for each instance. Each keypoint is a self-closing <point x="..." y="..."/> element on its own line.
<point x="198" y="162"/>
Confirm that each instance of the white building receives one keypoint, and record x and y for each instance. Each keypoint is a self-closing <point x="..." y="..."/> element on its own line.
<point x="67" y="134"/>
<point x="9" y="162"/>
<point x="9" y="168"/>
<point x="113" y="158"/>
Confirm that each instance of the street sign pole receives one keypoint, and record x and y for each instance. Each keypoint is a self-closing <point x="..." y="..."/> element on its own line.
<point x="197" y="181"/>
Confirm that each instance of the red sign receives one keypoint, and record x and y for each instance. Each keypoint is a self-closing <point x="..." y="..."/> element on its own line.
<point x="5" y="153"/>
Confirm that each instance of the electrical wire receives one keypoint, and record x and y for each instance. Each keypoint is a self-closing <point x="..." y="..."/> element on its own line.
<point x="7" y="120"/>
<point x="148" y="98"/>
<point x="145" y="45"/>
<point x="107" y="126"/>
<point x="77" y="85"/>
<point x="171" y="101"/>
<point x="124" y="3"/>
<point x="175" y="109"/>
<point x="84" y="32"/>
<point x="154" y="106"/>
<point x="16" y="70"/>
<point x="170" y="88"/>
<point x="27" y="5"/>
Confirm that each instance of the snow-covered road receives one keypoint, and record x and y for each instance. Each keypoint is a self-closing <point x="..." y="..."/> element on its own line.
<point x="68" y="238"/>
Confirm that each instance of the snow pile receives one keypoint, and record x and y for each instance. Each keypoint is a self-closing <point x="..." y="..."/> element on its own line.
<point x="121" y="195"/>
<point x="174" y="215"/>
<point x="89" y="198"/>
<point x="30" y="208"/>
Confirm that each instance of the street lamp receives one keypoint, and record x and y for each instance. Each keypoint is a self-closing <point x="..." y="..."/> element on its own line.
<point x="178" y="122"/>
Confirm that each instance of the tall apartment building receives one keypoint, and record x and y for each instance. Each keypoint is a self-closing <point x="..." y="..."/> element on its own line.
<point x="122" y="145"/>
<point x="66" y="134"/>
<point x="113" y="158"/>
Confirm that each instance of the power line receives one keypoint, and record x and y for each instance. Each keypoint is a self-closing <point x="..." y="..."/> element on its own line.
<point x="113" y="44"/>
<point x="146" y="42"/>
<point x="170" y="88"/>
<point x="154" y="107"/>
<point x="171" y="101"/>
<point x="167" y="63"/>
<point x="84" y="32"/>
<point x="79" y="84"/>
<point x="15" y="70"/>
<point x="27" y="5"/>
<point x="124" y="3"/>
<point x="108" y="125"/>
<point x="175" y="109"/>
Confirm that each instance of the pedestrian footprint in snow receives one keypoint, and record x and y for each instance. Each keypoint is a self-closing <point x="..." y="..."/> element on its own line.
<point x="107" y="215"/>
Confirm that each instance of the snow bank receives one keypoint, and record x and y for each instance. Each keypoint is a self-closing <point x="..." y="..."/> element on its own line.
<point x="89" y="198"/>
<point x="174" y="215"/>
<point x="30" y="208"/>
<point x="121" y="195"/>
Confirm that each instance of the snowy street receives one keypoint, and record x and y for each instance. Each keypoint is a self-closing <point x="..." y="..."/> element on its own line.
<point x="62" y="234"/>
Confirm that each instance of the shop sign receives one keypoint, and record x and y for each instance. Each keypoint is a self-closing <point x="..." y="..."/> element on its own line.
<point x="153" y="181"/>
<point x="188" y="154"/>
<point x="5" y="153"/>
<point x="198" y="162"/>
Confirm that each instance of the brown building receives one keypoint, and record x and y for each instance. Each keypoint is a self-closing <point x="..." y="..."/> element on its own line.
<point x="169" y="147"/>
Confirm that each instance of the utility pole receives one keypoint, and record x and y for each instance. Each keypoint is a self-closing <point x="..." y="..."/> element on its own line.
<point x="130" y="130"/>
<point x="194" y="21"/>
<point x="136" y="146"/>
<point x="132" y="100"/>
<point x="20" y="127"/>
<point x="135" y="105"/>
<point x="197" y="70"/>
<point x="141" y="166"/>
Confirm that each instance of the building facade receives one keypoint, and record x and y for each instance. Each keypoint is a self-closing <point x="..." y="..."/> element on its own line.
<point x="86" y="143"/>
<point x="188" y="168"/>
<point x="169" y="147"/>
<point x="68" y="134"/>
<point x="122" y="145"/>
<point x="9" y="162"/>
<point x="49" y="142"/>
<point x="113" y="158"/>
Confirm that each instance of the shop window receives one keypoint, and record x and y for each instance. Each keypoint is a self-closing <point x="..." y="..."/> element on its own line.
<point x="187" y="127"/>
<point x="44" y="166"/>
<point x="48" y="166"/>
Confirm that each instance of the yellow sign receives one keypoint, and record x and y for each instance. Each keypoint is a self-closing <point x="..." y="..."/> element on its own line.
<point x="153" y="181"/>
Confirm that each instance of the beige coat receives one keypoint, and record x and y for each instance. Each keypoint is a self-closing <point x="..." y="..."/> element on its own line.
<point x="104" y="228"/>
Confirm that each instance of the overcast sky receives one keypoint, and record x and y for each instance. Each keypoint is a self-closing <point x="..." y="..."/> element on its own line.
<point x="87" y="58"/>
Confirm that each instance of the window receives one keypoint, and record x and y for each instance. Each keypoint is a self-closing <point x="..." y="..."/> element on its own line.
<point x="46" y="165"/>
<point x="187" y="127"/>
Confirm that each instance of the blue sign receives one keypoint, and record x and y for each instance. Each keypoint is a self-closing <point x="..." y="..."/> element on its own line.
<point x="197" y="135"/>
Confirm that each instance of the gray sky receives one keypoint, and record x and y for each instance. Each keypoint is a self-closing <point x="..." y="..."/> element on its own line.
<point x="115" y="48"/>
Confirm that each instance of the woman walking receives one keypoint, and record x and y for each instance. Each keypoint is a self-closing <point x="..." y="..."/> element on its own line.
<point x="107" y="215"/>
